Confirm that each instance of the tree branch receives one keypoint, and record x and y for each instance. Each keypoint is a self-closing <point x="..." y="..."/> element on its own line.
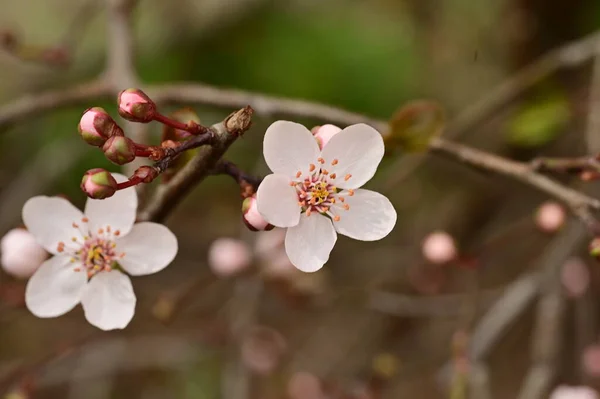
<point x="579" y="203"/>
<point x="169" y="195"/>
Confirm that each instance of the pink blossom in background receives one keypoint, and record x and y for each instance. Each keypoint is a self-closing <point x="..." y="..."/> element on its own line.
<point x="229" y="256"/>
<point x="575" y="277"/>
<point x="262" y="349"/>
<point x="269" y="243"/>
<point x="591" y="360"/>
<point x="550" y="217"/>
<point x="303" y="385"/>
<point x="21" y="253"/>
<point x="439" y="247"/>
<point x="573" y="392"/>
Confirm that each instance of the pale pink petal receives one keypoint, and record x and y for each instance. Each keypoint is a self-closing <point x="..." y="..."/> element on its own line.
<point x="289" y="147"/>
<point x="309" y="244"/>
<point x="117" y="211"/>
<point x="355" y="153"/>
<point x="277" y="201"/>
<point x="371" y="216"/>
<point x="55" y="288"/>
<point x="50" y="220"/>
<point x="148" y="248"/>
<point x="573" y="392"/>
<point x="325" y="133"/>
<point x="109" y="301"/>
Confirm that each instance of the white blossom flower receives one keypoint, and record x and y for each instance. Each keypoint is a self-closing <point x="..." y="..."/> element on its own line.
<point x="92" y="250"/>
<point x="316" y="193"/>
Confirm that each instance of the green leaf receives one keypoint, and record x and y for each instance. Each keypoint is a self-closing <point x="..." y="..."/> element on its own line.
<point x="538" y="123"/>
<point x="414" y="125"/>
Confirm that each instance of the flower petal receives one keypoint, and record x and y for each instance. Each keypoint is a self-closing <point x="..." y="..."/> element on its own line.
<point x="289" y="147"/>
<point x="309" y="243"/>
<point x="109" y="301"/>
<point x="117" y="211"/>
<point x="55" y="288"/>
<point x="277" y="201"/>
<point x="358" y="150"/>
<point x="50" y="220"/>
<point x="371" y="216"/>
<point x="149" y="248"/>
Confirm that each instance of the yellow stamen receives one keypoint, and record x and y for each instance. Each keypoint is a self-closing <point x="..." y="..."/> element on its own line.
<point x="311" y="167"/>
<point x="334" y="162"/>
<point x="320" y="160"/>
<point x="333" y="176"/>
<point x="298" y="174"/>
<point x="347" y="177"/>
<point x="336" y="218"/>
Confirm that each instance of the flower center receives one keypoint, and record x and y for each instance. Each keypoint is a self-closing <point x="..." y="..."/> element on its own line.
<point x="96" y="252"/>
<point x="317" y="191"/>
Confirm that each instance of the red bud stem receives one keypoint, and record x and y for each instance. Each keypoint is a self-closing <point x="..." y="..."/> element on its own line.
<point x="191" y="127"/>
<point x="133" y="181"/>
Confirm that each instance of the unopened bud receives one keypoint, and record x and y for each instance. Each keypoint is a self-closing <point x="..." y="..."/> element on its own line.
<point x="550" y="217"/>
<point x="324" y="133"/>
<point x="439" y="247"/>
<point x="96" y="126"/>
<point x="119" y="150"/>
<point x="98" y="184"/>
<point x="229" y="256"/>
<point x="595" y="248"/>
<point x="21" y="254"/>
<point x="136" y="106"/>
<point x="252" y="218"/>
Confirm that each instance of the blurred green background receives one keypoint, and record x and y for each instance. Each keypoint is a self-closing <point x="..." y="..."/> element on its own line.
<point x="365" y="56"/>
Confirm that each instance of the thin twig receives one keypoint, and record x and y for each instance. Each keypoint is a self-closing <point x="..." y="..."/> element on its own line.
<point x="592" y="132"/>
<point x="425" y="306"/>
<point x="38" y="103"/>
<point x="579" y="203"/>
<point x="499" y="317"/>
<point x="571" y="55"/>
<point x="169" y="195"/>
<point x="547" y="334"/>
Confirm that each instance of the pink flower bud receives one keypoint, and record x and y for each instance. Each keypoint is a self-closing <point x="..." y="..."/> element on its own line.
<point x="324" y="133"/>
<point x="252" y="218"/>
<point x="575" y="277"/>
<point x="119" y="150"/>
<point x="262" y="349"/>
<point x="439" y="247"/>
<point x="572" y="392"/>
<point x="550" y="217"/>
<point x="21" y="254"/>
<point x="96" y="126"/>
<point x="229" y="256"/>
<point x="591" y="360"/>
<point x="136" y="106"/>
<point x="98" y="184"/>
<point x="304" y="385"/>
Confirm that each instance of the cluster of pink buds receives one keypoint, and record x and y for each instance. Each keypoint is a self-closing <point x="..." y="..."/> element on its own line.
<point x="99" y="129"/>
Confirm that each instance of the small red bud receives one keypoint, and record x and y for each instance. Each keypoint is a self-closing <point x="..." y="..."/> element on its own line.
<point x="252" y="218"/>
<point x="136" y="106"/>
<point x="146" y="174"/>
<point x="96" y="126"/>
<point x="98" y="184"/>
<point x="119" y="150"/>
